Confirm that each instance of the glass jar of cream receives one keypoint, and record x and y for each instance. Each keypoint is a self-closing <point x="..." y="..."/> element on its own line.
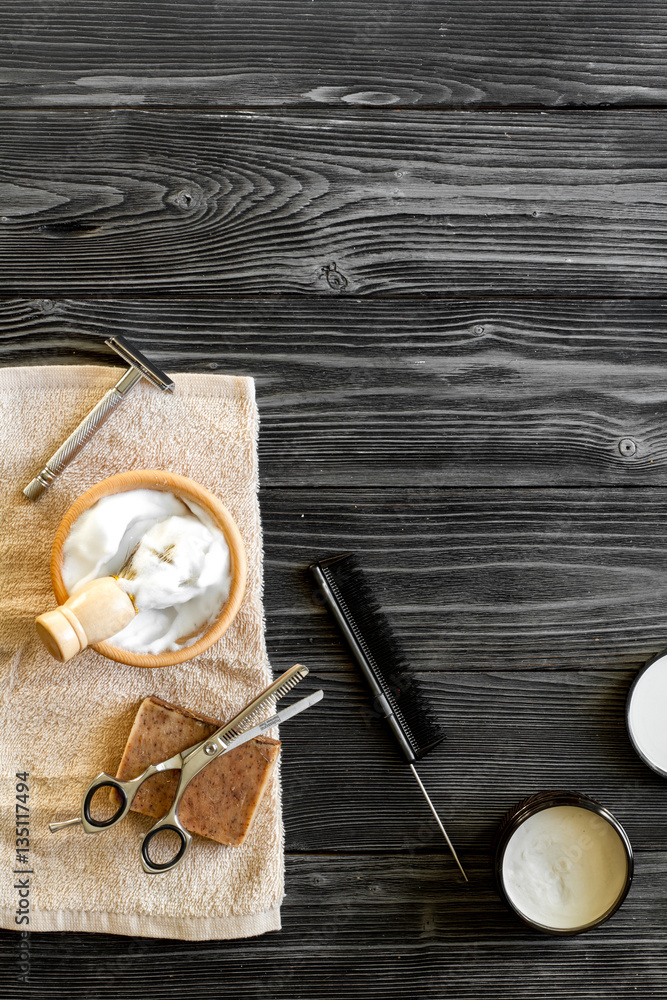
<point x="563" y="863"/>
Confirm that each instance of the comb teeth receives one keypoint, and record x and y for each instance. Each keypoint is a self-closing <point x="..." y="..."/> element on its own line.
<point x="381" y="652"/>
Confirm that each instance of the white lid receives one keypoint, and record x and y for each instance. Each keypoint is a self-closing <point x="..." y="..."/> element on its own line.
<point x="647" y="714"/>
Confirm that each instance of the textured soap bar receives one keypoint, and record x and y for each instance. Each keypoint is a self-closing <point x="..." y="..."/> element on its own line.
<point x="221" y="801"/>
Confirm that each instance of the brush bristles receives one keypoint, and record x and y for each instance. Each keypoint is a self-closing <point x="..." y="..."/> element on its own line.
<point x="382" y="652"/>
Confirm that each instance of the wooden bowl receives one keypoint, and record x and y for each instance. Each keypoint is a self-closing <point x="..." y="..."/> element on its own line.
<point x="186" y="489"/>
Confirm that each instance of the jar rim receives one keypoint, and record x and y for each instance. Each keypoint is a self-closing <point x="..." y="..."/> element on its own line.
<point x="531" y="806"/>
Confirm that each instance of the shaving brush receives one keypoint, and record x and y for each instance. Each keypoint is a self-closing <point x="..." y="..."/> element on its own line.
<point x="99" y="610"/>
<point x="167" y="567"/>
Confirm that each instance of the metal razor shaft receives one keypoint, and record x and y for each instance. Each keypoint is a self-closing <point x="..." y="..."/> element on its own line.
<point x="75" y="442"/>
<point x="141" y="368"/>
<point x="438" y="821"/>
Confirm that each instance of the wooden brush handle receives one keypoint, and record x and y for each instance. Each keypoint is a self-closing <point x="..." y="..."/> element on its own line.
<point x="97" y="611"/>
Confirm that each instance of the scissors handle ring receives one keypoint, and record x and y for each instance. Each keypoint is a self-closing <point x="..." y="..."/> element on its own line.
<point x="155" y="867"/>
<point x="120" y="812"/>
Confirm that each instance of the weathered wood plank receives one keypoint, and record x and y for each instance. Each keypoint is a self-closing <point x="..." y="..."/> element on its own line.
<point x="366" y="927"/>
<point x="463" y="52"/>
<point x="360" y="392"/>
<point x="374" y="204"/>
<point x="479" y="580"/>
<point x="509" y="735"/>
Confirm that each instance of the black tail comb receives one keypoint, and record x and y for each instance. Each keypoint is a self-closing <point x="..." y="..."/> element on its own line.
<point x="384" y="666"/>
<point x="377" y="651"/>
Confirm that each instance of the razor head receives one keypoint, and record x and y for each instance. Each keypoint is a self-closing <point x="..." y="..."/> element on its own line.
<point x="137" y="360"/>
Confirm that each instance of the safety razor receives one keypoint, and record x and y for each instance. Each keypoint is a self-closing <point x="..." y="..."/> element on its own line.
<point x="140" y="367"/>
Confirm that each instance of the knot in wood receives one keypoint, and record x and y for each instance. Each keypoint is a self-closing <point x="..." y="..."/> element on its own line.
<point x="335" y="279"/>
<point x="185" y="199"/>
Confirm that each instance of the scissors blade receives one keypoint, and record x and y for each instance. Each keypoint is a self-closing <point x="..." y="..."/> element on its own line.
<point x="278" y="689"/>
<point x="290" y="711"/>
<point x="282" y="716"/>
<point x="218" y="744"/>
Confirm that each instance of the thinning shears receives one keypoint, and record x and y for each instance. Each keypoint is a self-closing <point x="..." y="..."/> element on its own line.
<point x="190" y="762"/>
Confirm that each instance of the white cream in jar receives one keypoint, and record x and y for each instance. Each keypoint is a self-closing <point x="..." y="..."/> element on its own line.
<point x="179" y="576"/>
<point x="564" y="868"/>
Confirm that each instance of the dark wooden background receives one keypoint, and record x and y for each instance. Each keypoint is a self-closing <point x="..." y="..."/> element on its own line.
<point x="436" y="234"/>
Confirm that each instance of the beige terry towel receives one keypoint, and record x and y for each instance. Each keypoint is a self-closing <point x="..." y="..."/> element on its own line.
<point x="64" y="723"/>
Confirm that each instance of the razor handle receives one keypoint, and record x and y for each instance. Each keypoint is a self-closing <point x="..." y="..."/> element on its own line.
<point x="81" y="435"/>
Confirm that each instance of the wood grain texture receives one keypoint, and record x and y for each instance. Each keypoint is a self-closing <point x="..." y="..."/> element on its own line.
<point x="509" y="735"/>
<point x="341" y="54"/>
<point x="478" y="580"/>
<point x="360" y="392"/>
<point x="372" y="204"/>
<point x="526" y="612"/>
<point x="375" y="928"/>
<point x="456" y="324"/>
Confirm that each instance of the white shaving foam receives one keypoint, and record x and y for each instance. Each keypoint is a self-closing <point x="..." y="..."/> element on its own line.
<point x="179" y="576"/>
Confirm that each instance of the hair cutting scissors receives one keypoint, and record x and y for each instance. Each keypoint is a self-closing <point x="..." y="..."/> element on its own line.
<point x="190" y="762"/>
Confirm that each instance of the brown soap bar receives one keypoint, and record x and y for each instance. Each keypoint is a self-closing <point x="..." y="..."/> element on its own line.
<point x="220" y="802"/>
